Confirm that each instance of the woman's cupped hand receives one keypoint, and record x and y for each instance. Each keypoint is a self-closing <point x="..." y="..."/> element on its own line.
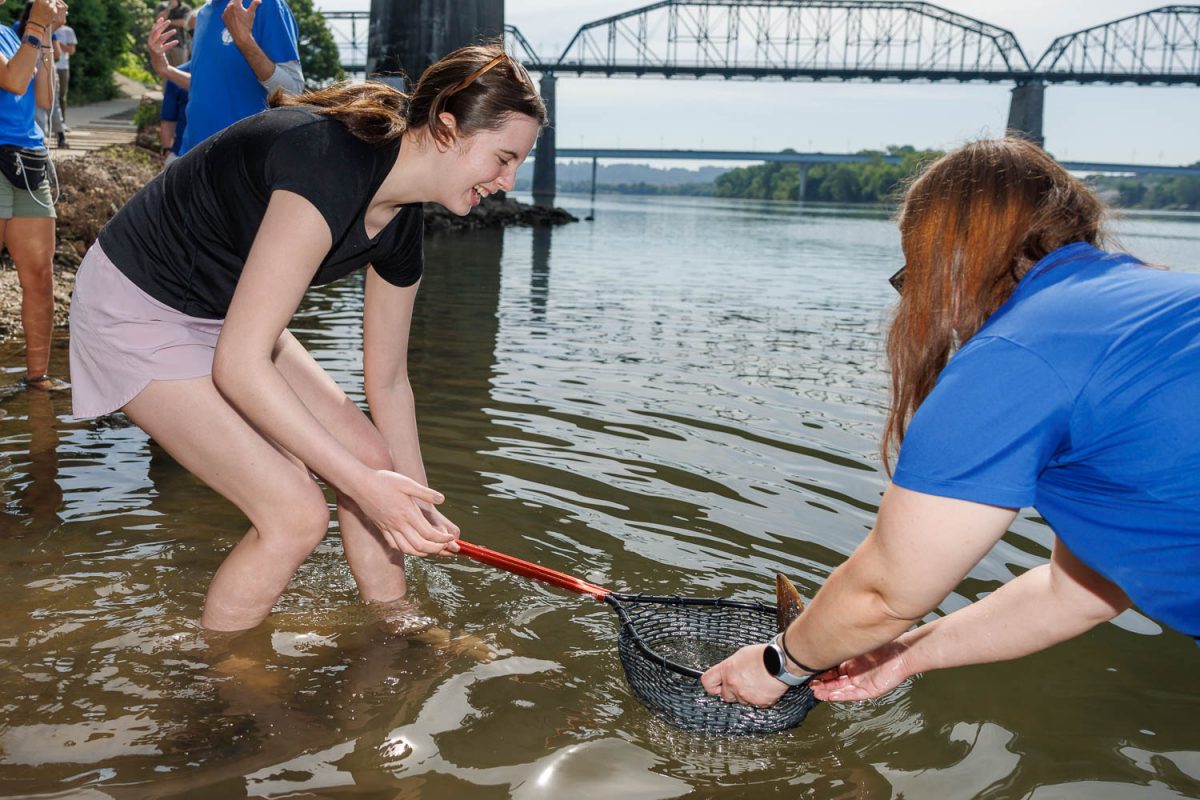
<point x="406" y="513"/>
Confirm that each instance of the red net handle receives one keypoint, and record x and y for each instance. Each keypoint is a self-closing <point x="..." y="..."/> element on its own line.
<point x="531" y="570"/>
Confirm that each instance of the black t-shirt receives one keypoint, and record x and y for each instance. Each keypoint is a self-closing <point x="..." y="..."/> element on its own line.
<point x="184" y="238"/>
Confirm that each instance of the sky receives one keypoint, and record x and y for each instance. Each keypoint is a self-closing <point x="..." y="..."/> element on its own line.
<point x="1147" y="125"/>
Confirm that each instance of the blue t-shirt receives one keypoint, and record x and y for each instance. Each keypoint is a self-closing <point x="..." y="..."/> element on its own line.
<point x="18" y="125"/>
<point x="1080" y="397"/>
<point x="224" y="88"/>
<point x="174" y="109"/>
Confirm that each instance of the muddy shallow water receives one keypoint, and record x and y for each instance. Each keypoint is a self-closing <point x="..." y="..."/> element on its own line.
<point x="682" y="396"/>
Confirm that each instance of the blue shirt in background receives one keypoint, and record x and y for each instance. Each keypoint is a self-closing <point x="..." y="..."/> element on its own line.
<point x="18" y="125"/>
<point x="1080" y="397"/>
<point x="224" y="88"/>
<point x="174" y="109"/>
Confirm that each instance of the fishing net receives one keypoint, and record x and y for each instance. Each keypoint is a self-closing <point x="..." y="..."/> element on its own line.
<point x="666" y="643"/>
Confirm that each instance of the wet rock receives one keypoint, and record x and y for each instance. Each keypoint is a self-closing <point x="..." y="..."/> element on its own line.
<point x="496" y="211"/>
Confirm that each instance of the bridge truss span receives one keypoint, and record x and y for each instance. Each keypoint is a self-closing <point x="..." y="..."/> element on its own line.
<point x="810" y="39"/>
<point x="1160" y="47"/>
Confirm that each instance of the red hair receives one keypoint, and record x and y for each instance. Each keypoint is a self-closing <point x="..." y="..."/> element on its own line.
<point x="971" y="225"/>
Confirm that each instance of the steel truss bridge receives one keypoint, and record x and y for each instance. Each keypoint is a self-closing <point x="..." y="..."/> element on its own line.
<point x="822" y="40"/>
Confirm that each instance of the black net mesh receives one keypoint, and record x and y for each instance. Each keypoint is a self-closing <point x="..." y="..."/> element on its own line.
<point x="667" y="642"/>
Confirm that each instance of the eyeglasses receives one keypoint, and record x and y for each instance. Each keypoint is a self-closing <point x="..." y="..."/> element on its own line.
<point x="897" y="280"/>
<point x="518" y="70"/>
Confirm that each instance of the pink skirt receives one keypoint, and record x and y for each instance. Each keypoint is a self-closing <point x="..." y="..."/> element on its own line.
<point x="122" y="338"/>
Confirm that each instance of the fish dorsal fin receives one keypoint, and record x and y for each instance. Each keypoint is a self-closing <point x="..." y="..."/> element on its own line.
<point x="788" y="603"/>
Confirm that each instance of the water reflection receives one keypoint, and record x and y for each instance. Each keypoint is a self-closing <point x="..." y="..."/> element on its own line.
<point x="539" y="278"/>
<point x="30" y="494"/>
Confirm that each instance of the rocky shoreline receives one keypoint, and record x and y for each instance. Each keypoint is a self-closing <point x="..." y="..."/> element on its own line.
<point x="95" y="186"/>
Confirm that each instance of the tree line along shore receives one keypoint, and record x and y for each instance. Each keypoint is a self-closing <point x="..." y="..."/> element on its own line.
<point x="874" y="181"/>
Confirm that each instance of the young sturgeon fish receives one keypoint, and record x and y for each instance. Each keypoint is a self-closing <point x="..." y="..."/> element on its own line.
<point x="788" y="603"/>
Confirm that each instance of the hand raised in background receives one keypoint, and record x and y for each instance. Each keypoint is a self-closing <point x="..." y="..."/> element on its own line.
<point x="45" y="13"/>
<point x="60" y="15"/>
<point x="239" y="20"/>
<point x="161" y="39"/>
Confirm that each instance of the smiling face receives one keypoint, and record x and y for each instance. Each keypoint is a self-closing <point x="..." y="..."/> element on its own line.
<point x="485" y="162"/>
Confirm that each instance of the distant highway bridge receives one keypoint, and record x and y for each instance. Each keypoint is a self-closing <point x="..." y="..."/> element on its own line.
<point x="843" y="40"/>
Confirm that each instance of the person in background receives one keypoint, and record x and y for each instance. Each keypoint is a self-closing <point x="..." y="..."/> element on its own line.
<point x="27" y="227"/>
<point x="178" y="15"/>
<point x="180" y="313"/>
<point x="172" y="119"/>
<point x="1074" y="391"/>
<point x="240" y="56"/>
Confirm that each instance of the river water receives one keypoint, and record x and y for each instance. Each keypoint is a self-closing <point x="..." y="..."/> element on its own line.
<point x="681" y="396"/>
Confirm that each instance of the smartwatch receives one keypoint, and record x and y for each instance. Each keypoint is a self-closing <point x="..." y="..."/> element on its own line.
<point x="33" y="40"/>
<point x="776" y="663"/>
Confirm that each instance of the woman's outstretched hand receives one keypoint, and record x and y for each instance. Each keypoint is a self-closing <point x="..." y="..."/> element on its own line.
<point x="742" y="678"/>
<point x="870" y="675"/>
<point x="404" y="512"/>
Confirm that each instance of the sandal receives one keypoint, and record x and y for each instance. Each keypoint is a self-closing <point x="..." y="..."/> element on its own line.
<point x="44" y="383"/>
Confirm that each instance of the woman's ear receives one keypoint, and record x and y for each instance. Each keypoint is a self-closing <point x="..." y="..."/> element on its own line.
<point x="450" y="127"/>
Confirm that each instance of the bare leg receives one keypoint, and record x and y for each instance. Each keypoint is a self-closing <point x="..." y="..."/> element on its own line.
<point x="378" y="568"/>
<point x="288" y="511"/>
<point x="30" y="241"/>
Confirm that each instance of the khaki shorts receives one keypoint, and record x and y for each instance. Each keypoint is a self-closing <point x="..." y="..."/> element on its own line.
<point x="21" y="202"/>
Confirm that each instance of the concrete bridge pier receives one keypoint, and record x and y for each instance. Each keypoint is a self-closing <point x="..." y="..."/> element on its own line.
<point x="544" y="177"/>
<point x="406" y="36"/>
<point x="1025" y="110"/>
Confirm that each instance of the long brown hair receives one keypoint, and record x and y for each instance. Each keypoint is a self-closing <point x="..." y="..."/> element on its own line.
<point x="971" y="225"/>
<point x="479" y="96"/>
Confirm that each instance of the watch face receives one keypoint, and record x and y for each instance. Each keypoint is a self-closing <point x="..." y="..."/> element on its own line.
<point x="772" y="660"/>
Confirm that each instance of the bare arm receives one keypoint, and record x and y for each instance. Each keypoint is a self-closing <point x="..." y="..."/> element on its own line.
<point x="291" y="242"/>
<point x="1046" y="605"/>
<point x="166" y="133"/>
<point x="162" y="39"/>
<point x="15" y="73"/>
<point x="387" y="318"/>
<point x="921" y="548"/>
<point x="43" y="83"/>
<point x="239" y="21"/>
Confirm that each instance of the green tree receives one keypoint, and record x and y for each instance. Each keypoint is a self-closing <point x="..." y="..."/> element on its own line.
<point x="872" y="181"/>
<point x="319" y="55"/>
<point x="1130" y="193"/>
<point x="103" y="28"/>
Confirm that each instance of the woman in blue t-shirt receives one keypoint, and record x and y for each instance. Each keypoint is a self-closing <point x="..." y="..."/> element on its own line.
<point x="180" y="313"/>
<point x="1074" y="391"/>
<point x="27" y="215"/>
